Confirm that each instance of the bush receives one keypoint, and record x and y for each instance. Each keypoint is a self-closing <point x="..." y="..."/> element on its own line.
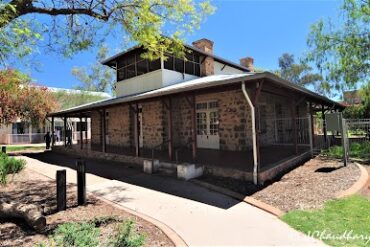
<point x="76" y="234"/>
<point x="9" y="165"/>
<point x="125" y="237"/>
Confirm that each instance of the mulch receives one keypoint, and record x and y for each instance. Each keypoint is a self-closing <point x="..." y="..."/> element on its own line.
<point x="307" y="187"/>
<point x="31" y="187"/>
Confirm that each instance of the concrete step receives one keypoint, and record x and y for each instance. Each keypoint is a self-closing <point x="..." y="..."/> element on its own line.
<point x="167" y="165"/>
<point x="167" y="171"/>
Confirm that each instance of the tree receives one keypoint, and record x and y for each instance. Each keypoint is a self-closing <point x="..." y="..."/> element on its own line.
<point x="21" y="99"/>
<point x="68" y="99"/>
<point x="342" y="52"/>
<point x="98" y="77"/>
<point x="365" y="99"/>
<point x="298" y="73"/>
<point x="77" y="25"/>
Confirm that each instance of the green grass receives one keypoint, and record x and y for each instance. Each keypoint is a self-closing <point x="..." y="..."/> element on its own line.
<point x="339" y="218"/>
<point x="356" y="150"/>
<point x="9" y="165"/>
<point x="24" y="148"/>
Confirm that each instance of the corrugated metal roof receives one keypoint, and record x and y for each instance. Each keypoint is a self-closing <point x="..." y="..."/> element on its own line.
<point x="199" y="83"/>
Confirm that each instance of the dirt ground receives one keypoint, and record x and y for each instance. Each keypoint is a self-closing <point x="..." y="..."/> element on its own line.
<point x="306" y="187"/>
<point x="31" y="187"/>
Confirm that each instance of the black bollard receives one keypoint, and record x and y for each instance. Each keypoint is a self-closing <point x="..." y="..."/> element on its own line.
<point x="81" y="182"/>
<point x="3" y="149"/>
<point x="61" y="190"/>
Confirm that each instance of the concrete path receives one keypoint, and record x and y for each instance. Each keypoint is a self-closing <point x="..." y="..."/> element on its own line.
<point x="199" y="216"/>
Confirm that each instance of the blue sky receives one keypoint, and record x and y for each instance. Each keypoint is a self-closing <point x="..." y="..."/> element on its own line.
<point x="261" y="29"/>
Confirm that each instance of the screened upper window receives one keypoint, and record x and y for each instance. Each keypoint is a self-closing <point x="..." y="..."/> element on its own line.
<point x="132" y="65"/>
<point x="190" y="65"/>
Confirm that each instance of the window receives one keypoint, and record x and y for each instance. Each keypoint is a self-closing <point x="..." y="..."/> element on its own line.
<point x="202" y="123"/>
<point x="179" y="65"/>
<point x="168" y="63"/>
<point x="154" y="65"/>
<point x="213" y="123"/>
<point x="190" y="65"/>
<point x="132" y="65"/>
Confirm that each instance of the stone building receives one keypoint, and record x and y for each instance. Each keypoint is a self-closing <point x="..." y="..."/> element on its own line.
<point x="202" y="110"/>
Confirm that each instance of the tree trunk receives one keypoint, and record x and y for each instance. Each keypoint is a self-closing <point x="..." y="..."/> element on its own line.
<point x="32" y="214"/>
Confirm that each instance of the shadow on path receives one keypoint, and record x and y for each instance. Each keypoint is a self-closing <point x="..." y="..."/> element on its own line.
<point x="132" y="174"/>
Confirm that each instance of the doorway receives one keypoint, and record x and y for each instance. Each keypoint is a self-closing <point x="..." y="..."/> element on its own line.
<point x="207" y="125"/>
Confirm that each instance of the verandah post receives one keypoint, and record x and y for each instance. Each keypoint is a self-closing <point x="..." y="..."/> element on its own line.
<point x="136" y="130"/>
<point x="65" y="130"/>
<point x="324" y="126"/>
<point x="81" y="134"/>
<point x="52" y="131"/>
<point x="103" y="132"/>
<point x="294" y="125"/>
<point x="170" y="143"/>
<point x="193" y="128"/>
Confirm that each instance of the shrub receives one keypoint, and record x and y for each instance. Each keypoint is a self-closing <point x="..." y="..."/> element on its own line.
<point x="76" y="234"/>
<point x="9" y="165"/>
<point x="356" y="150"/>
<point x="125" y="237"/>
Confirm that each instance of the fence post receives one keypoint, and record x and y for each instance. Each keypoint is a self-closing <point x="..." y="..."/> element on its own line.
<point x="81" y="182"/>
<point x="344" y="141"/>
<point x="3" y="149"/>
<point x="61" y="190"/>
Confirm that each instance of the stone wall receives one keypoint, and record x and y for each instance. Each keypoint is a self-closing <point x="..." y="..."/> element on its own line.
<point x="153" y="123"/>
<point x="118" y="126"/>
<point x="181" y="121"/>
<point x="234" y="119"/>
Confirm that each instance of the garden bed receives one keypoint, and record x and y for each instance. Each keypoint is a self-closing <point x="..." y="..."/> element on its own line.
<point x="30" y="187"/>
<point x="306" y="187"/>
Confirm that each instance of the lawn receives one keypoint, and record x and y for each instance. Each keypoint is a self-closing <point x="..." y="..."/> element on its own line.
<point x="356" y="150"/>
<point x="13" y="148"/>
<point x="342" y="222"/>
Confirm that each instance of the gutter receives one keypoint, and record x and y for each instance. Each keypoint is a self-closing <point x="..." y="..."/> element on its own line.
<point x="254" y="134"/>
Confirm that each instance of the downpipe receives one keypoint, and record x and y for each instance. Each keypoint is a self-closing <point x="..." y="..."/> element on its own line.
<point x="254" y="134"/>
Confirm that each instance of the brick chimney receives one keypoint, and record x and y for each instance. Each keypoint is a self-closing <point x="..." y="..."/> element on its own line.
<point x="207" y="67"/>
<point x="248" y="63"/>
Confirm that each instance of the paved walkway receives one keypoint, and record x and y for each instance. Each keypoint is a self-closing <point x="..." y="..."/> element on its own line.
<point x="199" y="216"/>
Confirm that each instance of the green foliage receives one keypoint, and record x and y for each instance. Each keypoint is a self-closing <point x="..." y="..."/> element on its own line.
<point x="9" y="165"/>
<point x="354" y="112"/>
<point x="356" y="150"/>
<point x="98" y="77"/>
<point x="298" y="73"/>
<point x="68" y="99"/>
<point x="125" y="237"/>
<point x="158" y="25"/>
<point x="349" y="215"/>
<point x="342" y="52"/>
<point x="76" y="234"/>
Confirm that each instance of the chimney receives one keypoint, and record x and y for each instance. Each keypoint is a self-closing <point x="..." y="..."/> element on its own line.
<point x="207" y="67"/>
<point x="248" y="63"/>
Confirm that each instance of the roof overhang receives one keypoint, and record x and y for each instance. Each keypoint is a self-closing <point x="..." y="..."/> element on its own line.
<point x="198" y="84"/>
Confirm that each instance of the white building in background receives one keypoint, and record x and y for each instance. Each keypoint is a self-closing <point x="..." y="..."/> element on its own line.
<point x="21" y="132"/>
